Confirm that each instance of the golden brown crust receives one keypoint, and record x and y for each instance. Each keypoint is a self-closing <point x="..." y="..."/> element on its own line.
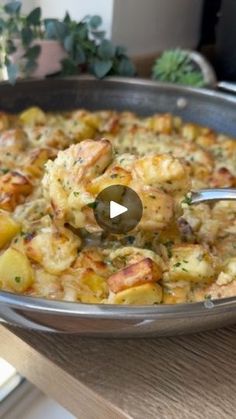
<point x="138" y="273"/>
<point x="14" y="188"/>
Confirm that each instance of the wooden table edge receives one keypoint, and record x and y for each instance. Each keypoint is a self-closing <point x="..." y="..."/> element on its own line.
<point x="79" y="399"/>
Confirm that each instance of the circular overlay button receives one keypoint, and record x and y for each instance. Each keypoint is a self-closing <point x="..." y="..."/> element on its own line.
<point x="118" y="209"/>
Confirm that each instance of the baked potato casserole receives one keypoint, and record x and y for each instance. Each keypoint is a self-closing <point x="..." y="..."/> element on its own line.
<point x="52" y="167"/>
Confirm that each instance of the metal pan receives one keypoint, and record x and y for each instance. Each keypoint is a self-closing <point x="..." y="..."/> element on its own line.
<point x="209" y="108"/>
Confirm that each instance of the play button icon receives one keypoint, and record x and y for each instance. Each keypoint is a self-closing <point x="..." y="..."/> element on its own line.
<point x="118" y="209"/>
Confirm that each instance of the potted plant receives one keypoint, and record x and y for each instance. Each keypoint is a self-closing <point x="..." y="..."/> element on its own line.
<point x="184" y="67"/>
<point x="34" y="47"/>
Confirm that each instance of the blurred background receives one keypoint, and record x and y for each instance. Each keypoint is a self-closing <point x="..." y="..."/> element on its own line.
<point x="145" y="29"/>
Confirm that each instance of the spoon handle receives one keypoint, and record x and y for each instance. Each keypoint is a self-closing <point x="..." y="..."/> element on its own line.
<point x="204" y="195"/>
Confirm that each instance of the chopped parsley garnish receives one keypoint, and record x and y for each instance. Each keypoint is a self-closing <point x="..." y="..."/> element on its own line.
<point x="4" y="171"/>
<point x="176" y="265"/>
<point x="207" y="296"/>
<point x="79" y="161"/>
<point x="92" y="205"/>
<point x="76" y="193"/>
<point x="169" y="245"/>
<point x="17" y="279"/>
<point x="130" y="239"/>
<point x="187" y="200"/>
<point x="114" y="175"/>
<point x="218" y="153"/>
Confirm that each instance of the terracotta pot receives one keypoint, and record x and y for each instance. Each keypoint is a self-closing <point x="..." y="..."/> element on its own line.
<point x="49" y="60"/>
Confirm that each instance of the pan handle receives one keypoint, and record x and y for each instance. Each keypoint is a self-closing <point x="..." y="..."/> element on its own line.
<point x="227" y="86"/>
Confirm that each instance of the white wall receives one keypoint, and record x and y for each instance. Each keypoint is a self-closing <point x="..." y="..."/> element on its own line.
<point x="27" y="5"/>
<point x="78" y="9"/>
<point x="147" y="26"/>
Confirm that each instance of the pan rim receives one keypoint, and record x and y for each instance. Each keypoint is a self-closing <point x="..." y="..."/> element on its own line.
<point x="207" y="92"/>
<point x="113" y="311"/>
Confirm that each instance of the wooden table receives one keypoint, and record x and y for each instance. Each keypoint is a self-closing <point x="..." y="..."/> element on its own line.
<point x="183" y="377"/>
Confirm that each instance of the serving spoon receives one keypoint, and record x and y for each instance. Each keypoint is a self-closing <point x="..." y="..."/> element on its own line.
<point x="205" y="195"/>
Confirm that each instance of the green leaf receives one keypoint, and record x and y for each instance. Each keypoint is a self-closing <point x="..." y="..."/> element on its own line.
<point x="170" y="64"/>
<point x="126" y="68"/>
<point x="69" y="42"/>
<point x="80" y="56"/>
<point x="67" y="18"/>
<point x="12" y="8"/>
<point x="32" y="53"/>
<point x="27" y="36"/>
<point x="49" y="28"/>
<point x="90" y="47"/>
<point x="101" y="68"/>
<point x="69" y="67"/>
<point x="55" y="29"/>
<point x="175" y="66"/>
<point x="12" y="26"/>
<point x="2" y="25"/>
<point x="12" y="71"/>
<point x="82" y="31"/>
<point x="34" y="17"/>
<point x="95" y="21"/>
<point x="195" y="78"/>
<point x="120" y="50"/>
<point x="10" y="47"/>
<point x="29" y="67"/>
<point x="106" y="50"/>
<point x="98" y="34"/>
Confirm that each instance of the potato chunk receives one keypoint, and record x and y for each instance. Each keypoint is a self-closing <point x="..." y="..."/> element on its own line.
<point x="4" y="121"/>
<point x="13" y="140"/>
<point x="136" y="274"/>
<point x="95" y="283"/>
<point x="146" y="294"/>
<point x="15" y="271"/>
<point x="116" y="176"/>
<point x="33" y="116"/>
<point x="8" y="229"/>
<point x="176" y="294"/>
<point x="163" y="124"/>
<point x="190" y="131"/>
<point x="190" y="262"/>
<point x="48" y="136"/>
<point x="230" y="267"/>
<point x="13" y="145"/>
<point x="35" y="161"/>
<point x="14" y="187"/>
<point x="54" y="250"/>
<point x="163" y="171"/>
<point x="91" y="258"/>
<point x="158" y="209"/>
<point x="46" y="285"/>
